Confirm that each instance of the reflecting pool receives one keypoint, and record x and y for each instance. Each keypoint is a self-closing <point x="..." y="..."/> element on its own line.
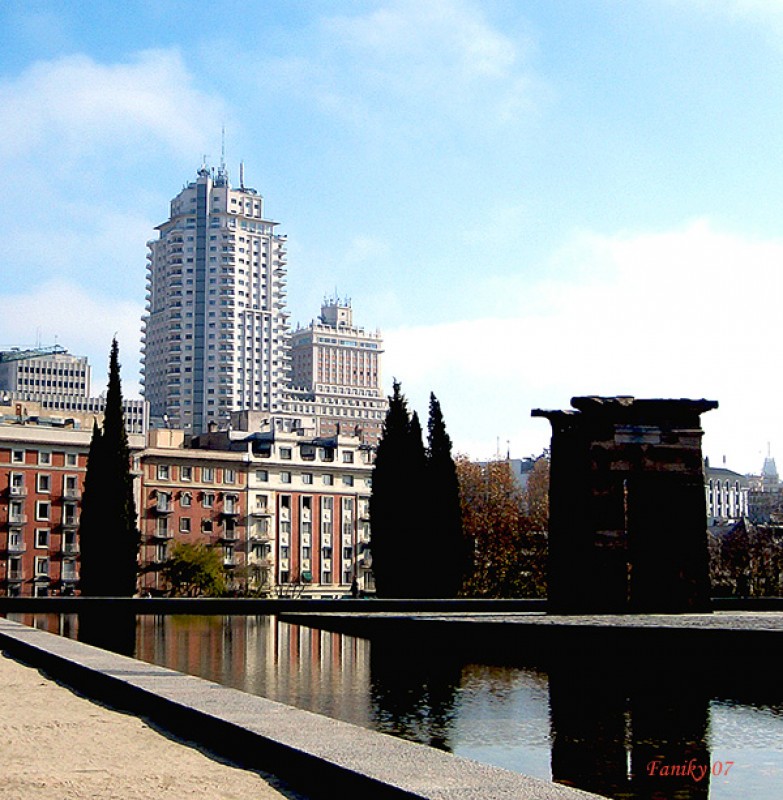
<point x="617" y="727"/>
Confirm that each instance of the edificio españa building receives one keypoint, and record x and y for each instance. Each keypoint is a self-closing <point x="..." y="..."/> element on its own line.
<point x="215" y="330"/>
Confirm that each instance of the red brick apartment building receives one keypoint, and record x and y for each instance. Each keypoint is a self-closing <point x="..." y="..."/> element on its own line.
<point x="43" y="460"/>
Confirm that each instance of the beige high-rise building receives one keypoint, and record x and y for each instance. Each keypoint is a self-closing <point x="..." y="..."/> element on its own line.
<point x="336" y="374"/>
<point x="215" y="331"/>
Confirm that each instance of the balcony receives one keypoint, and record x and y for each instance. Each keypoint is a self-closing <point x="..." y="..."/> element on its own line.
<point x="162" y="533"/>
<point x="70" y="549"/>
<point x="15" y="576"/>
<point x="17" y="519"/>
<point x="72" y="493"/>
<point x="69" y="576"/>
<point x="17" y="491"/>
<point x="229" y="561"/>
<point x="70" y="523"/>
<point x="163" y="506"/>
<point x="229" y="536"/>
<point x="16" y="547"/>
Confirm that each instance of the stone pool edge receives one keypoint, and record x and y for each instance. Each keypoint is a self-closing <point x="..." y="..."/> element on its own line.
<point x="316" y="755"/>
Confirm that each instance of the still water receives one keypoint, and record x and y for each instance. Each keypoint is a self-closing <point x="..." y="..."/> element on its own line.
<point x="668" y="731"/>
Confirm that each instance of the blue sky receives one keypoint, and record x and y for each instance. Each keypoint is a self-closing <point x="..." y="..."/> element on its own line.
<point x="532" y="200"/>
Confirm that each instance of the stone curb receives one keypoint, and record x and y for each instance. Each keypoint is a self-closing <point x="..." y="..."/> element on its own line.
<point x="319" y="756"/>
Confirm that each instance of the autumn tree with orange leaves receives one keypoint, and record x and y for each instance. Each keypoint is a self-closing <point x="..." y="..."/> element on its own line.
<point x="507" y="526"/>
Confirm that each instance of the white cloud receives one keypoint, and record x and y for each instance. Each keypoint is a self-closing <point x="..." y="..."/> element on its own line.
<point x="686" y="313"/>
<point x="75" y="105"/>
<point x="363" y="249"/>
<point x="80" y="320"/>
<point x="440" y="61"/>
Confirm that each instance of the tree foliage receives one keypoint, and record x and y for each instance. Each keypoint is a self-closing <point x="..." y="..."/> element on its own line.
<point x="414" y="507"/>
<point x="507" y="526"/>
<point x="109" y="538"/>
<point x="746" y="560"/>
<point x="396" y="502"/>
<point x="445" y="514"/>
<point x="195" y="570"/>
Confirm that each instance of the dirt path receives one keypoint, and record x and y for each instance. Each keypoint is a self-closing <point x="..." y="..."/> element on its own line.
<point x="56" y="744"/>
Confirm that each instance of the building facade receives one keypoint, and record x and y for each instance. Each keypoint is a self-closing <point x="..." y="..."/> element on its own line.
<point x="51" y="382"/>
<point x="288" y="508"/>
<point x="215" y="330"/>
<point x="336" y="374"/>
<point x="727" y="494"/>
<point x="43" y="462"/>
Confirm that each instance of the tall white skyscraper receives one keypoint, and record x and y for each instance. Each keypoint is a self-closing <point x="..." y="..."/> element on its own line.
<point x="215" y="331"/>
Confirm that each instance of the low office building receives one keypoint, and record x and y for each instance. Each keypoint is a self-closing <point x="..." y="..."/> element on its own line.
<point x="52" y="382"/>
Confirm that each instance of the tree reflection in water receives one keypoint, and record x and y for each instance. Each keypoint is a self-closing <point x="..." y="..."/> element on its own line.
<point x="109" y="629"/>
<point x="413" y="692"/>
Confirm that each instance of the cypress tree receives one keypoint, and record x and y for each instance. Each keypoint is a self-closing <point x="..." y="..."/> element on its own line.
<point x="395" y="504"/>
<point x="445" y="517"/>
<point x="109" y="538"/>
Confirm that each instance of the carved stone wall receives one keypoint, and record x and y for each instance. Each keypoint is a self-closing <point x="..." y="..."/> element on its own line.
<point x="627" y="519"/>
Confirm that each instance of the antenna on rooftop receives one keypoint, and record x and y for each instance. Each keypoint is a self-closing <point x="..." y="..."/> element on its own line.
<point x="241" y="174"/>
<point x="223" y="148"/>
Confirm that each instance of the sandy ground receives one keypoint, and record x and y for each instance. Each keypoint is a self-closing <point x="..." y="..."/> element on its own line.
<point x="57" y="744"/>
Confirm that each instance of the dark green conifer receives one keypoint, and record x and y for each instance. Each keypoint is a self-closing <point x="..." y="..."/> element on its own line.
<point x="444" y="530"/>
<point x="109" y="538"/>
<point x="395" y="503"/>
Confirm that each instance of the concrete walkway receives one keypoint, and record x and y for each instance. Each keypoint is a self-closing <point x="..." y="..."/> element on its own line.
<point x="56" y="744"/>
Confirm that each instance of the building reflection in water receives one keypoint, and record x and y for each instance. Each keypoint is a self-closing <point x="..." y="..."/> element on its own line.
<point x="594" y="722"/>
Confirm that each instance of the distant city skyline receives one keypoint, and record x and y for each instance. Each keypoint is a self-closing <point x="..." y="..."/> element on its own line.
<point x="531" y="201"/>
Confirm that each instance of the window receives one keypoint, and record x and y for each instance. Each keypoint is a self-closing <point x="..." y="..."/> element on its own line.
<point x="328" y="480"/>
<point x="348" y="457"/>
<point x="347" y="553"/>
<point x="70" y="486"/>
<point x="186" y="500"/>
<point x="41" y="539"/>
<point x="206" y="526"/>
<point x="285" y="453"/>
<point x="347" y="480"/>
<point x="163" y="472"/>
<point x="44" y="457"/>
<point x="208" y="500"/>
<point x="16" y="484"/>
<point x="186" y="473"/>
<point x="71" y="460"/>
<point x="41" y="567"/>
<point x="43" y="509"/>
<point x="307" y="477"/>
<point x="184" y="525"/>
<point x="327" y="577"/>
<point x="17" y="456"/>
<point x="229" y="476"/>
<point x="44" y="483"/>
<point x="285" y="477"/>
<point x="305" y="552"/>
<point x="207" y="474"/>
<point x="262" y="475"/>
<point x="284" y="551"/>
